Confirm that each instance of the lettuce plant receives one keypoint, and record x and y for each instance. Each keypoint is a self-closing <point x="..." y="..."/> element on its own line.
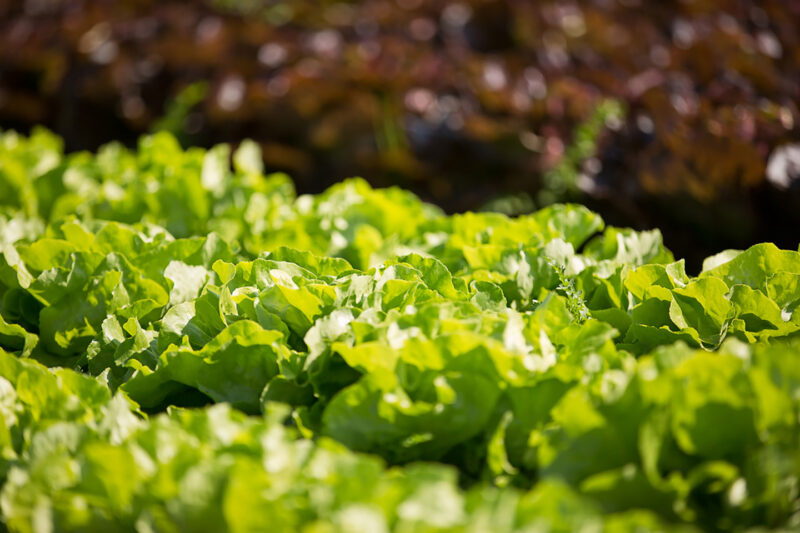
<point x="188" y="346"/>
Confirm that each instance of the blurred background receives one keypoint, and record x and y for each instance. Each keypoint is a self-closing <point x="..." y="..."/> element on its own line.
<point x="681" y="115"/>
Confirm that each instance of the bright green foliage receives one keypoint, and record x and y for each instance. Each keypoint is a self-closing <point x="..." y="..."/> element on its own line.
<point x="570" y="375"/>
<point x="99" y="467"/>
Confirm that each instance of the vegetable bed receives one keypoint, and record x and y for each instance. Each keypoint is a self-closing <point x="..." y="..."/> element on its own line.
<point x="188" y="346"/>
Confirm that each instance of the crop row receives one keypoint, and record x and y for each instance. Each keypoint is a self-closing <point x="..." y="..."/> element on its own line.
<point x="226" y="356"/>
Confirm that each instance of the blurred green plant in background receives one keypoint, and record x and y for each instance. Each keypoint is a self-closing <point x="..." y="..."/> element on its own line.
<point x="177" y="113"/>
<point x="562" y="182"/>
